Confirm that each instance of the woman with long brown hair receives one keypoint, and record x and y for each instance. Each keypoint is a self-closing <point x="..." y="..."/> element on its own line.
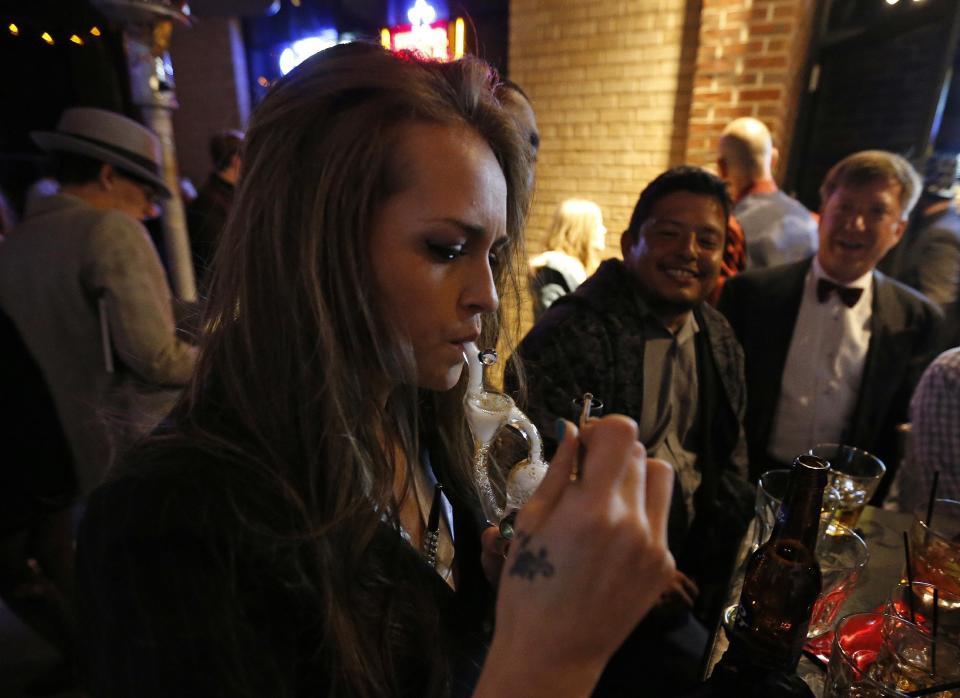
<point x="267" y="540"/>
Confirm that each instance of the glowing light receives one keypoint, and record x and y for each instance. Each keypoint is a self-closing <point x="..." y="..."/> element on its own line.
<point x="76" y="40"/>
<point x="458" y="38"/>
<point x="14" y="29"/>
<point x="263" y="82"/>
<point x="892" y="2"/>
<point x="95" y="31"/>
<point x="385" y="38"/>
<point x="421" y="13"/>
<point x="295" y="3"/>
<point x="298" y="51"/>
<point x="430" y="41"/>
<point x="46" y="37"/>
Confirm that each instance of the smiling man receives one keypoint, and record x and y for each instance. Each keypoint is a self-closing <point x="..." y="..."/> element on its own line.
<point x="834" y="348"/>
<point x="639" y="336"/>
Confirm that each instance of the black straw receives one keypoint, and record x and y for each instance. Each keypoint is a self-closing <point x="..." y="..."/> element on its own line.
<point x="933" y="498"/>
<point x="906" y="555"/>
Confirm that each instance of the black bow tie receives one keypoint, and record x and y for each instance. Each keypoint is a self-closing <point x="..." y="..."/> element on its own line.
<point x="849" y="296"/>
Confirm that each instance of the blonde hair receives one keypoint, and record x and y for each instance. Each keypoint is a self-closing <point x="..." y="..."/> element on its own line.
<point x="573" y="231"/>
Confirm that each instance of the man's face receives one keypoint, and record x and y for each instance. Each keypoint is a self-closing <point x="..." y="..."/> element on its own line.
<point x="677" y="252"/>
<point x="858" y="226"/>
<point x="134" y="197"/>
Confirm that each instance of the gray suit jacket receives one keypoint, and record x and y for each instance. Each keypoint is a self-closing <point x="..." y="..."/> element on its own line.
<point x="928" y="257"/>
<point x="762" y="308"/>
<point x="63" y="263"/>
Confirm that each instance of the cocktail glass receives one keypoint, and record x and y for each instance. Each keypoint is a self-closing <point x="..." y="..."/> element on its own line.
<point x="771" y="488"/>
<point x="855" y="474"/>
<point x="914" y="602"/>
<point x="842" y="558"/>
<point x="935" y="548"/>
<point x="878" y="655"/>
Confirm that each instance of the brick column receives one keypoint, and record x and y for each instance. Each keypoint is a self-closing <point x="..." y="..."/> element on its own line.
<point x="610" y="84"/>
<point x="750" y="62"/>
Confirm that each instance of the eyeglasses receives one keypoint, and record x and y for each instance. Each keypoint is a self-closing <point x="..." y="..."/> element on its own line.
<point x="152" y="192"/>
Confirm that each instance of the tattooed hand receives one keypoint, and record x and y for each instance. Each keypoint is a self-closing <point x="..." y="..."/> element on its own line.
<point x="529" y="563"/>
<point x="589" y="560"/>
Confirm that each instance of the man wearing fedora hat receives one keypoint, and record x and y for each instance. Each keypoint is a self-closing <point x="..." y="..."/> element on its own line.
<point x="84" y="287"/>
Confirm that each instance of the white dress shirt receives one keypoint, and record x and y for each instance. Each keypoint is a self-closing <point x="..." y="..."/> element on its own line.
<point x="824" y="367"/>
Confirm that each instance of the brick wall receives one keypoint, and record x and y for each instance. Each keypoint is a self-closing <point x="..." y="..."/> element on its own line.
<point x="624" y="89"/>
<point x="611" y="94"/>
<point x="750" y="62"/>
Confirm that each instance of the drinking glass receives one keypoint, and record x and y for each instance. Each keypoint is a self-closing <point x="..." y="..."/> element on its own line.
<point x="842" y="558"/>
<point x="875" y="654"/>
<point x="914" y="602"/>
<point x="935" y="548"/>
<point x="855" y="474"/>
<point x="771" y="487"/>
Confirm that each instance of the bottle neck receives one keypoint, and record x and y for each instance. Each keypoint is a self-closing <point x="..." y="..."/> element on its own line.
<point x="799" y="515"/>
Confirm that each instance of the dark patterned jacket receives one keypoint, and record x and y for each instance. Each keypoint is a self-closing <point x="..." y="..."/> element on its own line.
<point x="593" y="340"/>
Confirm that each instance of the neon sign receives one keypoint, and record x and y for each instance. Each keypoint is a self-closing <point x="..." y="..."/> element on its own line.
<point x="297" y="52"/>
<point x="425" y="34"/>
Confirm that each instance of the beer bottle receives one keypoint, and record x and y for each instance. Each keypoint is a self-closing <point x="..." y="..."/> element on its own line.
<point x="782" y="579"/>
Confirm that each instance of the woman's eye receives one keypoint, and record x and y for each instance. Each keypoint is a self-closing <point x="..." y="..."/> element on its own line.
<point x="445" y="252"/>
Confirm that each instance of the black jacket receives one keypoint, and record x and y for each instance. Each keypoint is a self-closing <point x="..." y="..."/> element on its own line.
<point x="195" y="579"/>
<point x="593" y="340"/>
<point x="762" y="307"/>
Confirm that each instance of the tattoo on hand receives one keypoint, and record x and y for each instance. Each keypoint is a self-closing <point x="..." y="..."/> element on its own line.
<point x="529" y="564"/>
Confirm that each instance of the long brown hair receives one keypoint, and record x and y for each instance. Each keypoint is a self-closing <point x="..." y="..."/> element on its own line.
<point x="297" y="345"/>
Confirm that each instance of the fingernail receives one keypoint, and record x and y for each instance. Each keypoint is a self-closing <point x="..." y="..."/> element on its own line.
<point x="561" y="429"/>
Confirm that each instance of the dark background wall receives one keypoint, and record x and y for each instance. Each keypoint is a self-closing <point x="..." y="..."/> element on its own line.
<point x="880" y="72"/>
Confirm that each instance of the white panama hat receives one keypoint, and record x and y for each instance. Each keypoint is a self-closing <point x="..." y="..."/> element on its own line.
<point x="109" y="137"/>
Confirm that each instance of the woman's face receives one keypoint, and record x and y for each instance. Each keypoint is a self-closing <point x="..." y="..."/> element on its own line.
<point x="600" y="235"/>
<point x="434" y="243"/>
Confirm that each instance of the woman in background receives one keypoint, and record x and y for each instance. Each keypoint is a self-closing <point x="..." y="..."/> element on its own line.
<point x="268" y="541"/>
<point x="575" y="241"/>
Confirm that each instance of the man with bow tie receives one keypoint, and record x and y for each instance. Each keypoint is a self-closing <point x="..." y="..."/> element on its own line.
<point x="833" y="347"/>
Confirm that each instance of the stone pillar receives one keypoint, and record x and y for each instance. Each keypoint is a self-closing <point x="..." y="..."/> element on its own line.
<point x="148" y="26"/>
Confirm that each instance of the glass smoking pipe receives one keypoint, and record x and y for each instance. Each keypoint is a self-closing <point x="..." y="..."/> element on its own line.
<point x="487" y="412"/>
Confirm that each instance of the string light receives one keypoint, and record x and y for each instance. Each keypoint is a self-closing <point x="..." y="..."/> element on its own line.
<point x="78" y="39"/>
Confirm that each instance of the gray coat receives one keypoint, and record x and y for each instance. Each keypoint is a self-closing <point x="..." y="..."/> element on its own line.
<point x="59" y="267"/>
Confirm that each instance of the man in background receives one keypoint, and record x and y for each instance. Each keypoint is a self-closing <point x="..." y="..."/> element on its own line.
<point x="928" y="257"/>
<point x="778" y="229"/>
<point x="207" y="214"/>
<point x="84" y="287"/>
